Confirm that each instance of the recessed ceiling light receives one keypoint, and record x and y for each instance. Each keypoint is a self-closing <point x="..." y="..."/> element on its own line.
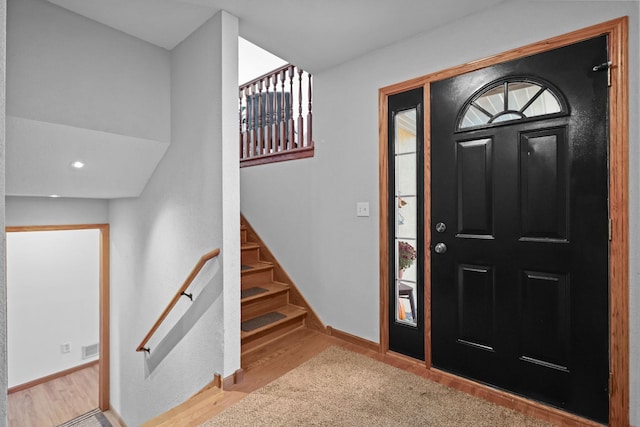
<point x="54" y="195"/>
<point x="77" y="164"/>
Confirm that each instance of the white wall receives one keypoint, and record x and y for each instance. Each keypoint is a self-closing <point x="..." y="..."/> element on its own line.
<point x="53" y="293"/>
<point x="157" y="238"/>
<point x="3" y="289"/>
<point x="79" y="90"/>
<point x="21" y="211"/>
<point x="335" y="259"/>
<point x="253" y="61"/>
<point x="70" y="70"/>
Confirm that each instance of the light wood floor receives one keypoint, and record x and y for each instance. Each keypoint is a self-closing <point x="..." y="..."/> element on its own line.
<point x="57" y="401"/>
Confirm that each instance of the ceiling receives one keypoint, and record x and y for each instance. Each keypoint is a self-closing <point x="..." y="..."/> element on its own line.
<point x="313" y="34"/>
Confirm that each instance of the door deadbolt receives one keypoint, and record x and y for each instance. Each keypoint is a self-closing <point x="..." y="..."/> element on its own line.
<point x="440" y="227"/>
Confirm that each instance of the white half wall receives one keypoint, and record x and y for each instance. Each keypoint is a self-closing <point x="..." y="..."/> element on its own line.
<point x="157" y="238"/>
<point x="306" y="210"/>
<point x="53" y="289"/>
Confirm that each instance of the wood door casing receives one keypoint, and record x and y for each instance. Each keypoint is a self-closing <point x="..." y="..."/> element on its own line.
<point x="104" y="304"/>
<point x="617" y="30"/>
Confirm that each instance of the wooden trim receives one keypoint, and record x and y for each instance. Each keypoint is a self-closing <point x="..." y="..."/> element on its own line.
<point x="194" y="272"/>
<point x="281" y="156"/>
<point x="104" y="308"/>
<point x="345" y="336"/>
<point x="235" y="378"/>
<point x="279" y="274"/>
<point x="51" y="377"/>
<point x="225" y="383"/>
<point x="217" y="381"/>
<point x="105" y="324"/>
<point x="617" y="30"/>
<point x="26" y="228"/>
<point x="427" y="226"/>
<point x="383" y="174"/>
<point x="619" y="212"/>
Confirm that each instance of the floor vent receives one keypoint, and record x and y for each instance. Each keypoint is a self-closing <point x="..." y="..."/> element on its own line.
<point x="89" y="351"/>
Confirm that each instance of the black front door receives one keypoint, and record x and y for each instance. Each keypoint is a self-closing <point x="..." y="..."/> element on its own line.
<point x="519" y="263"/>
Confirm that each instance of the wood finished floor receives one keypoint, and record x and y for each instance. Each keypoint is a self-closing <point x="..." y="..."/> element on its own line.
<point x="56" y="401"/>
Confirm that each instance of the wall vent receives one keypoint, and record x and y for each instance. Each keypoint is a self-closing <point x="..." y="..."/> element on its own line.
<point x="89" y="351"/>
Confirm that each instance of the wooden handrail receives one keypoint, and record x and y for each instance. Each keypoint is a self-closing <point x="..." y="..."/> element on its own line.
<point x="203" y="260"/>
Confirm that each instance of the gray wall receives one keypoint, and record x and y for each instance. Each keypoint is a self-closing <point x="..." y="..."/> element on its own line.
<point x="157" y="238"/>
<point x="3" y="288"/>
<point x="306" y="210"/>
<point x="22" y="211"/>
<point x="70" y="70"/>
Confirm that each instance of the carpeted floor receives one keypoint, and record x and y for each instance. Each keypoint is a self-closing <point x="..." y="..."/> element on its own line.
<point x="341" y="388"/>
<point x="94" y="418"/>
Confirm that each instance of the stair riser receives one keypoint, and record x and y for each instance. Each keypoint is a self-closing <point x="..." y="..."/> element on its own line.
<point x="255" y="341"/>
<point x="250" y="256"/>
<point x="243" y="236"/>
<point x="251" y="279"/>
<point x="261" y="306"/>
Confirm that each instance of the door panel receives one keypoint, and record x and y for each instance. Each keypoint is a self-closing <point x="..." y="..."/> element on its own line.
<point x="519" y="299"/>
<point x="543" y="184"/>
<point x="476" y="319"/>
<point x="475" y="213"/>
<point x="545" y="326"/>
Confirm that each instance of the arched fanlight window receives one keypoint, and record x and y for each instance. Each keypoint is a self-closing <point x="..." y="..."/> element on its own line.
<point x="509" y="100"/>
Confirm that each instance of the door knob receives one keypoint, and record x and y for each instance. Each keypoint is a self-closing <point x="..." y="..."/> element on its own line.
<point x="441" y="248"/>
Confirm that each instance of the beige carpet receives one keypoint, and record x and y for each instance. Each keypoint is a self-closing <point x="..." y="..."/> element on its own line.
<point x="341" y="388"/>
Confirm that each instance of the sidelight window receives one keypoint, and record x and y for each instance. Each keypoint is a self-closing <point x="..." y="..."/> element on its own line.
<point x="406" y="212"/>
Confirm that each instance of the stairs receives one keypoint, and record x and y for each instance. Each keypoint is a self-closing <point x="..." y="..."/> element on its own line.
<point x="267" y="313"/>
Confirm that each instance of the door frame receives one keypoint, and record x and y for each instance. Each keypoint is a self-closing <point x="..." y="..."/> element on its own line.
<point x="617" y="32"/>
<point x="103" y="362"/>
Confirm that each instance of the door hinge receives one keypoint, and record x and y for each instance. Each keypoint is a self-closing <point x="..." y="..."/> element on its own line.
<point x="610" y="228"/>
<point x="605" y="66"/>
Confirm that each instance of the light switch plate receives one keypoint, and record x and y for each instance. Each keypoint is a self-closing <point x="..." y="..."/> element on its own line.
<point x="362" y="209"/>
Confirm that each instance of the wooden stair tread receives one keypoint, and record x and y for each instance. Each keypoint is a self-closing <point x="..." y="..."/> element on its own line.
<point x="255" y="267"/>
<point x="197" y="399"/>
<point x="290" y="311"/>
<point x="249" y="245"/>
<point x="272" y="289"/>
